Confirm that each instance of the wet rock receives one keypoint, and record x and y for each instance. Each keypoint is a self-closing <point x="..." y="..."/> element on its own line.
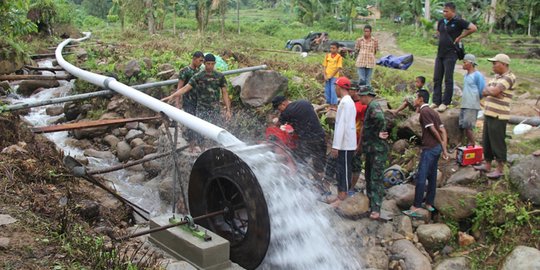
<point x="433" y="236"/>
<point x="88" y="209"/>
<point x="5" y="88"/>
<point x="123" y="151"/>
<point x="28" y="87"/>
<point x="165" y="189"/>
<point x="89" y="133"/>
<point x="71" y="111"/>
<point x="136" y="142"/>
<point x="132" y="68"/>
<point x="82" y="159"/>
<point x="123" y="131"/>
<point x="116" y="132"/>
<point x="111" y="140"/>
<point x="259" y="87"/>
<point x="400" y="146"/>
<point x="166" y="66"/>
<point x="137" y="178"/>
<point x="81" y="144"/>
<point x="4" y="242"/>
<point x="455" y="201"/>
<point x="465" y="239"/>
<point x="152" y="167"/>
<point x="54" y="110"/>
<point x="354" y="206"/>
<point x="164" y="75"/>
<point x="412" y="257"/>
<point x="98" y="154"/>
<point x="149" y="149"/>
<point x="6" y="219"/>
<point x="525" y="175"/>
<point x="134" y="133"/>
<point x="152" y="132"/>
<point x="464" y="175"/>
<point x="132" y="125"/>
<point x="402" y="194"/>
<point x="374" y="258"/>
<point x="137" y="152"/>
<point x="522" y="257"/>
<point x="458" y="263"/>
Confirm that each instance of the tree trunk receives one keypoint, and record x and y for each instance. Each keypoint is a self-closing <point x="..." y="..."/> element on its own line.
<point x="491" y="15"/>
<point x="238" y="15"/>
<point x="427" y="10"/>
<point x="150" y="16"/>
<point x="174" y="18"/>
<point x="530" y="19"/>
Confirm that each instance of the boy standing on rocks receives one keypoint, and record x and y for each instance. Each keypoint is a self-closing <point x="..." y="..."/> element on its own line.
<point x="433" y="144"/>
<point x="332" y="64"/>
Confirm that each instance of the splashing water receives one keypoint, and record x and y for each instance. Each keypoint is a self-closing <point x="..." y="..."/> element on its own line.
<point x="303" y="233"/>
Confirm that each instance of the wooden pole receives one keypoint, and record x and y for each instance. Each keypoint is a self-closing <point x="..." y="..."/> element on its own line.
<point x="44" y="68"/>
<point x="90" y="124"/>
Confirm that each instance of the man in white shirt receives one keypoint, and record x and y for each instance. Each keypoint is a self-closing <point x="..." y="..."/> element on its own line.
<point x="344" y="144"/>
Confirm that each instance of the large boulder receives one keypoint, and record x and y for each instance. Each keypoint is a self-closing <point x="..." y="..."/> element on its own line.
<point x="5" y="88"/>
<point x="455" y="201"/>
<point x="457" y="263"/>
<point x="433" y="236"/>
<point x="374" y="258"/>
<point x="464" y="175"/>
<point x="414" y="259"/>
<point x="522" y="257"/>
<point x="132" y="68"/>
<point x="89" y="133"/>
<point x="354" y="207"/>
<point x="525" y="174"/>
<point x="449" y="118"/>
<point x="402" y="194"/>
<point x="27" y="87"/>
<point x="54" y="110"/>
<point x="259" y="87"/>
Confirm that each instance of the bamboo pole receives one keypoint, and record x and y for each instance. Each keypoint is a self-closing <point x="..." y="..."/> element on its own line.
<point x="35" y="77"/>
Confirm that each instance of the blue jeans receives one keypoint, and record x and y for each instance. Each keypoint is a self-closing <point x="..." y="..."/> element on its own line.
<point x="330" y="91"/>
<point x="364" y="76"/>
<point x="427" y="170"/>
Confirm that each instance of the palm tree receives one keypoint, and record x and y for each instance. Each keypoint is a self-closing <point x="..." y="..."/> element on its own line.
<point x="221" y="7"/>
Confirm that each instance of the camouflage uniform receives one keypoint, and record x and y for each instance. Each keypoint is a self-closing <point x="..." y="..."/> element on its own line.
<point x="189" y="100"/>
<point x="207" y="87"/>
<point x="376" y="153"/>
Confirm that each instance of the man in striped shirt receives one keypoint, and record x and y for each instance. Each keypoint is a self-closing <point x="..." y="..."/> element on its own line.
<point x="498" y="93"/>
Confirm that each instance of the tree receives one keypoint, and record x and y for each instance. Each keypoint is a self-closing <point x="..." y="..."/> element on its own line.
<point x="98" y="8"/>
<point x="14" y="21"/>
<point x="491" y="15"/>
<point x="534" y="8"/>
<point x="149" y="8"/>
<point x="221" y="7"/>
<point x="427" y="10"/>
<point x="202" y="13"/>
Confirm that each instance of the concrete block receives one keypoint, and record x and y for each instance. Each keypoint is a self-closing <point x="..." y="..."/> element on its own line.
<point x="181" y="244"/>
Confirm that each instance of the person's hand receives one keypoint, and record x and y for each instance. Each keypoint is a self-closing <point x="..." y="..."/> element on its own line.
<point x="178" y="102"/>
<point x="168" y="99"/>
<point x="359" y="150"/>
<point x="445" y="154"/>
<point x="228" y="115"/>
<point x="325" y="78"/>
<point x="458" y="39"/>
<point x="334" y="153"/>
<point x="383" y="135"/>
<point x="393" y="112"/>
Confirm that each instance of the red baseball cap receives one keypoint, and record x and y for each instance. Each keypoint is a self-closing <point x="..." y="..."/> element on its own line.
<point x="344" y="82"/>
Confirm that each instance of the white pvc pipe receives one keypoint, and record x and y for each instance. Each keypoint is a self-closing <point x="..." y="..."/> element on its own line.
<point x="198" y="125"/>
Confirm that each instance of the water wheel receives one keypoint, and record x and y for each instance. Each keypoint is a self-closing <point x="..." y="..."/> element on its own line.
<point x="220" y="180"/>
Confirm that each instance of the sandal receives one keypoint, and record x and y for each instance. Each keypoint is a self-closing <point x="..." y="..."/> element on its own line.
<point x="494" y="175"/>
<point x="412" y="213"/>
<point x="481" y="168"/>
<point x="428" y="207"/>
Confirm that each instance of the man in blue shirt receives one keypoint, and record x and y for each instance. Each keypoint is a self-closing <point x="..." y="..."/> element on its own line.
<point x="473" y="84"/>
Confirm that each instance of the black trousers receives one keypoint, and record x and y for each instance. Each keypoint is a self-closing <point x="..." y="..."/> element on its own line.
<point x="314" y="149"/>
<point x="444" y="67"/>
<point x="344" y="170"/>
<point x="493" y="139"/>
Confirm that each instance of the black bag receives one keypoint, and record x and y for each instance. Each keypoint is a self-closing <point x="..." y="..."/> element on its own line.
<point x="460" y="48"/>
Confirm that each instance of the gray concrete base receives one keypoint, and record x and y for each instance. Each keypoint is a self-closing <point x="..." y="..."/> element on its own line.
<point x="211" y="255"/>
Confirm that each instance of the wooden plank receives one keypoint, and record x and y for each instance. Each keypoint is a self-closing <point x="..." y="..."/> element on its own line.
<point x="90" y="124"/>
<point x="44" y="68"/>
<point x="35" y="77"/>
<point x="44" y="55"/>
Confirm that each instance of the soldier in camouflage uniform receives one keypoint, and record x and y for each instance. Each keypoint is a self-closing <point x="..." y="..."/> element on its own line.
<point x="375" y="148"/>
<point x="188" y="102"/>
<point x="209" y="86"/>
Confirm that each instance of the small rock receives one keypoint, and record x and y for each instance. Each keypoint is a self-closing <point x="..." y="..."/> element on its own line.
<point x="88" y="209"/>
<point x="98" y="154"/>
<point x="164" y="75"/>
<point x="123" y="151"/>
<point x="149" y="149"/>
<point x="137" y="152"/>
<point x="137" y="178"/>
<point x="123" y="131"/>
<point x="522" y="257"/>
<point x="6" y="219"/>
<point x="152" y="167"/>
<point x="54" y="110"/>
<point x="354" y="207"/>
<point x="165" y="188"/>
<point x="297" y="79"/>
<point x="81" y="144"/>
<point x="28" y="87"/>
<point x="404" y="226"/>
<point x="116" y="132"/>
<point x="400" y="146"/>
<point x="464" y="176"/>
<point x="458" y="263"/>
<point x="5" y="87"/>
<point x="136" y="142"/>
<point x="166" y="66"/>
<point x="71" y="111"/>
<point x="455" y="201"/>
<point x="110" y="116"/>
<point x="132" y="134"/>
<point x="412" y="257"/>
<point x="132" y="68"/>
<point x="82" y="159"/>
<point x="4" y="242"/>
<point x="143" y="126"/>
<point x="132" y="125"/>
<point x="434" y="236"/>
<point x="402" y="194"/>
<point x="111" y="140"/>
<point x="465" y="239"/>
<point x="152" y="132"/>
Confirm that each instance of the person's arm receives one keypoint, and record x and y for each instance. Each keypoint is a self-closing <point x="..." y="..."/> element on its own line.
<point x="325" y="63"/>
<point x="227" y="101"/>
<point x="493" y="90"/>
<point x="178" y="100"/>
<point x="178" y="93"/>
<point x="401" y="107"/>
<point x="441" y="136"/>
<point x="471" y="28"/>
<point x="340" y="66"/>
<point x="376" y="47"/>
<point x="480" y="83"/>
